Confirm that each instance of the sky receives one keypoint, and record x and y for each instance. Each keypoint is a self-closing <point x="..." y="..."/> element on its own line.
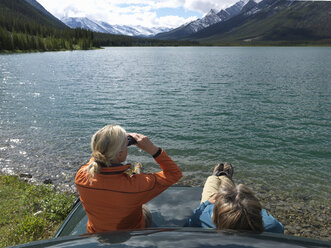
<point x="147" y="13"/>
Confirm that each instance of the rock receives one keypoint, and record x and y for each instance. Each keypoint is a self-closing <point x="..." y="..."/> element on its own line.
<point x="290" y="229"/>
<point x="37" y="213"/>
<point x="48" y="181"/>
<point x="25" y="175"/>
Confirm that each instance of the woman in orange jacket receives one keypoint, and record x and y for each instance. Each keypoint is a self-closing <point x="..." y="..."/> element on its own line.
<point x="112" y="198"/>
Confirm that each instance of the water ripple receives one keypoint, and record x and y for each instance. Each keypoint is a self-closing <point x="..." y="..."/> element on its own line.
<point x="268" y="116"/>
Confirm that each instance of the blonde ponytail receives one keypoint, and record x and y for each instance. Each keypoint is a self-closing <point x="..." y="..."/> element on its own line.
<point x="92" y="169"/>
<point x="105" y="145"/>
<point x="98" y="156"/>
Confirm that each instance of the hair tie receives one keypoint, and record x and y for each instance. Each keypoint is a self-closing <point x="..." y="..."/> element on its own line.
<point x="101" y="164"/>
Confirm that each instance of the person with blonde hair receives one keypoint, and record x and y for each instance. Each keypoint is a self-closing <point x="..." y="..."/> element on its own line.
<point x="111" y="194"/>
<point x="225" y="205"/>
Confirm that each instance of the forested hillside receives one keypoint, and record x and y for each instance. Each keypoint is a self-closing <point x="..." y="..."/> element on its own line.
<point x="23" y="27"/>
<point x="278" y="22"/>
<point x="26" y="28"/>
<point x="268" y="22"/>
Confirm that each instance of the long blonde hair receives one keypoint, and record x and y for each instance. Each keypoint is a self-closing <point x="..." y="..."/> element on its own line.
<point x="105" y="145"/>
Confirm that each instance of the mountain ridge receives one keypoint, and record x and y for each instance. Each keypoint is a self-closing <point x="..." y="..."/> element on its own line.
<point x="273" y="22"/>
<point x="300" y="22"/>
<point x="24" y="27"/>
<point x="211" y="18"/>
<point x="39" y="7"/>
<point x="104" y="27"/>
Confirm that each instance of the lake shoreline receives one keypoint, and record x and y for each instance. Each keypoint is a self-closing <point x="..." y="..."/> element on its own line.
<point x="3" y="52"/>
<point x="307" y="219"/>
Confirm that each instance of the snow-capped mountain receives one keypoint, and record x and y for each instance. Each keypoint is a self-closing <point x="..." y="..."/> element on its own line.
<point x="212" y="17"/>
<point x="237" y="7"/>
<point x="250" y="8"/>
<point x="83" y="22"/>
<point x="103" y="27"/>
<point x="209" y="19"/>
<point x="271" y="22"/>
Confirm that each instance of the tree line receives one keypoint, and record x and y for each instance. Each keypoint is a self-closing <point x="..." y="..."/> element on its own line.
<point x="15" y="40"/>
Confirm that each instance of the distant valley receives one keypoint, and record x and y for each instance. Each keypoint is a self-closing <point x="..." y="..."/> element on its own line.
<point x="25" y="25"/>
<point x="247" y="22"/>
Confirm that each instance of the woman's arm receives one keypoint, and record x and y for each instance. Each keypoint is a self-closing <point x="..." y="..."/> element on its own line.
<point x="160" y="181"/>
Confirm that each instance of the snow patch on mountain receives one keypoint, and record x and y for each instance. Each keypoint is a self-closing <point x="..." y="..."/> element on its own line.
<point x="250" y="8"/>
<point x="104" y="27"/>
<point x="236" y="8"/>
<point x="214" y="16"/>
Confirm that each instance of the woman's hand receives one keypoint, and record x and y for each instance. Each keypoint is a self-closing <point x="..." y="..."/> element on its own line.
<point x="144" y="143"/>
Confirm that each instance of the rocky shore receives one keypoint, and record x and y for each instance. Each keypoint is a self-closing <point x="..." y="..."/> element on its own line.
<point x="308" y="219"/>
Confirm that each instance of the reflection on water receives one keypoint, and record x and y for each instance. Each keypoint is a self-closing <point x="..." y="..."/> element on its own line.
<point x="162" y="207"/>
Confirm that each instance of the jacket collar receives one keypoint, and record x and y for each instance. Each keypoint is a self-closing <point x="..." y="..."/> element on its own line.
<point x="114" y="170"/>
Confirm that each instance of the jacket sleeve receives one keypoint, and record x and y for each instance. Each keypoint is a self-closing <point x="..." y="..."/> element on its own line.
<point x="270" y="223"/>
<point x="160" y="181"/>
<point x="195" y="219"/>
<point x="170" y="173"/>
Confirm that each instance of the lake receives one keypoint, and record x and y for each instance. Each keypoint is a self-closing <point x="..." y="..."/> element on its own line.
<point x="265" y="109"/>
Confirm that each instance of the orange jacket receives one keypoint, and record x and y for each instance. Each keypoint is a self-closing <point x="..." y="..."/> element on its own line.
<point x="114" y="200"/>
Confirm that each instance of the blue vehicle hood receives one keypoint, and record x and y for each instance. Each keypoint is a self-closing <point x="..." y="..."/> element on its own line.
<point x="178" y="237"/>
<point x="170" y="211"/>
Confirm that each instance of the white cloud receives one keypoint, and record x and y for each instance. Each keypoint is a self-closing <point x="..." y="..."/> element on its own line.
<point x="133" y="12"/>
<point x="203" y="6"/>
<point x="174" y="21"/>
<point x="167" y="4"/>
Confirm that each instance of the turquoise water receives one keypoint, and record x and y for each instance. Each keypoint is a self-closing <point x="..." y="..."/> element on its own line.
<point x="266" y="110"/>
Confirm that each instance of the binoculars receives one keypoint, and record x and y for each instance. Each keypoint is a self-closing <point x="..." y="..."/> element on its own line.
<point x="131" y="140"/>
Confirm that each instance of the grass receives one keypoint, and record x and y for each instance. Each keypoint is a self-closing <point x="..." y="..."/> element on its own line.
<point x="30" y="212"/>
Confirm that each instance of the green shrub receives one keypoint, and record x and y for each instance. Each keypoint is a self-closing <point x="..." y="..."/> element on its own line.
<point x="31" y="228"/>
<point x="57" y="206"/>
<point x="30" y="212"/>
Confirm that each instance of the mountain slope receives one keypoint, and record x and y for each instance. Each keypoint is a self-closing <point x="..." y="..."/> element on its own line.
<point x="211" y="18"/>
<point x="272" y="21"/>
<point x="38" y="6"/>
<point x="84" y="23"/>
<point x="25" y="27"/>
<point x="25" y="12"/>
